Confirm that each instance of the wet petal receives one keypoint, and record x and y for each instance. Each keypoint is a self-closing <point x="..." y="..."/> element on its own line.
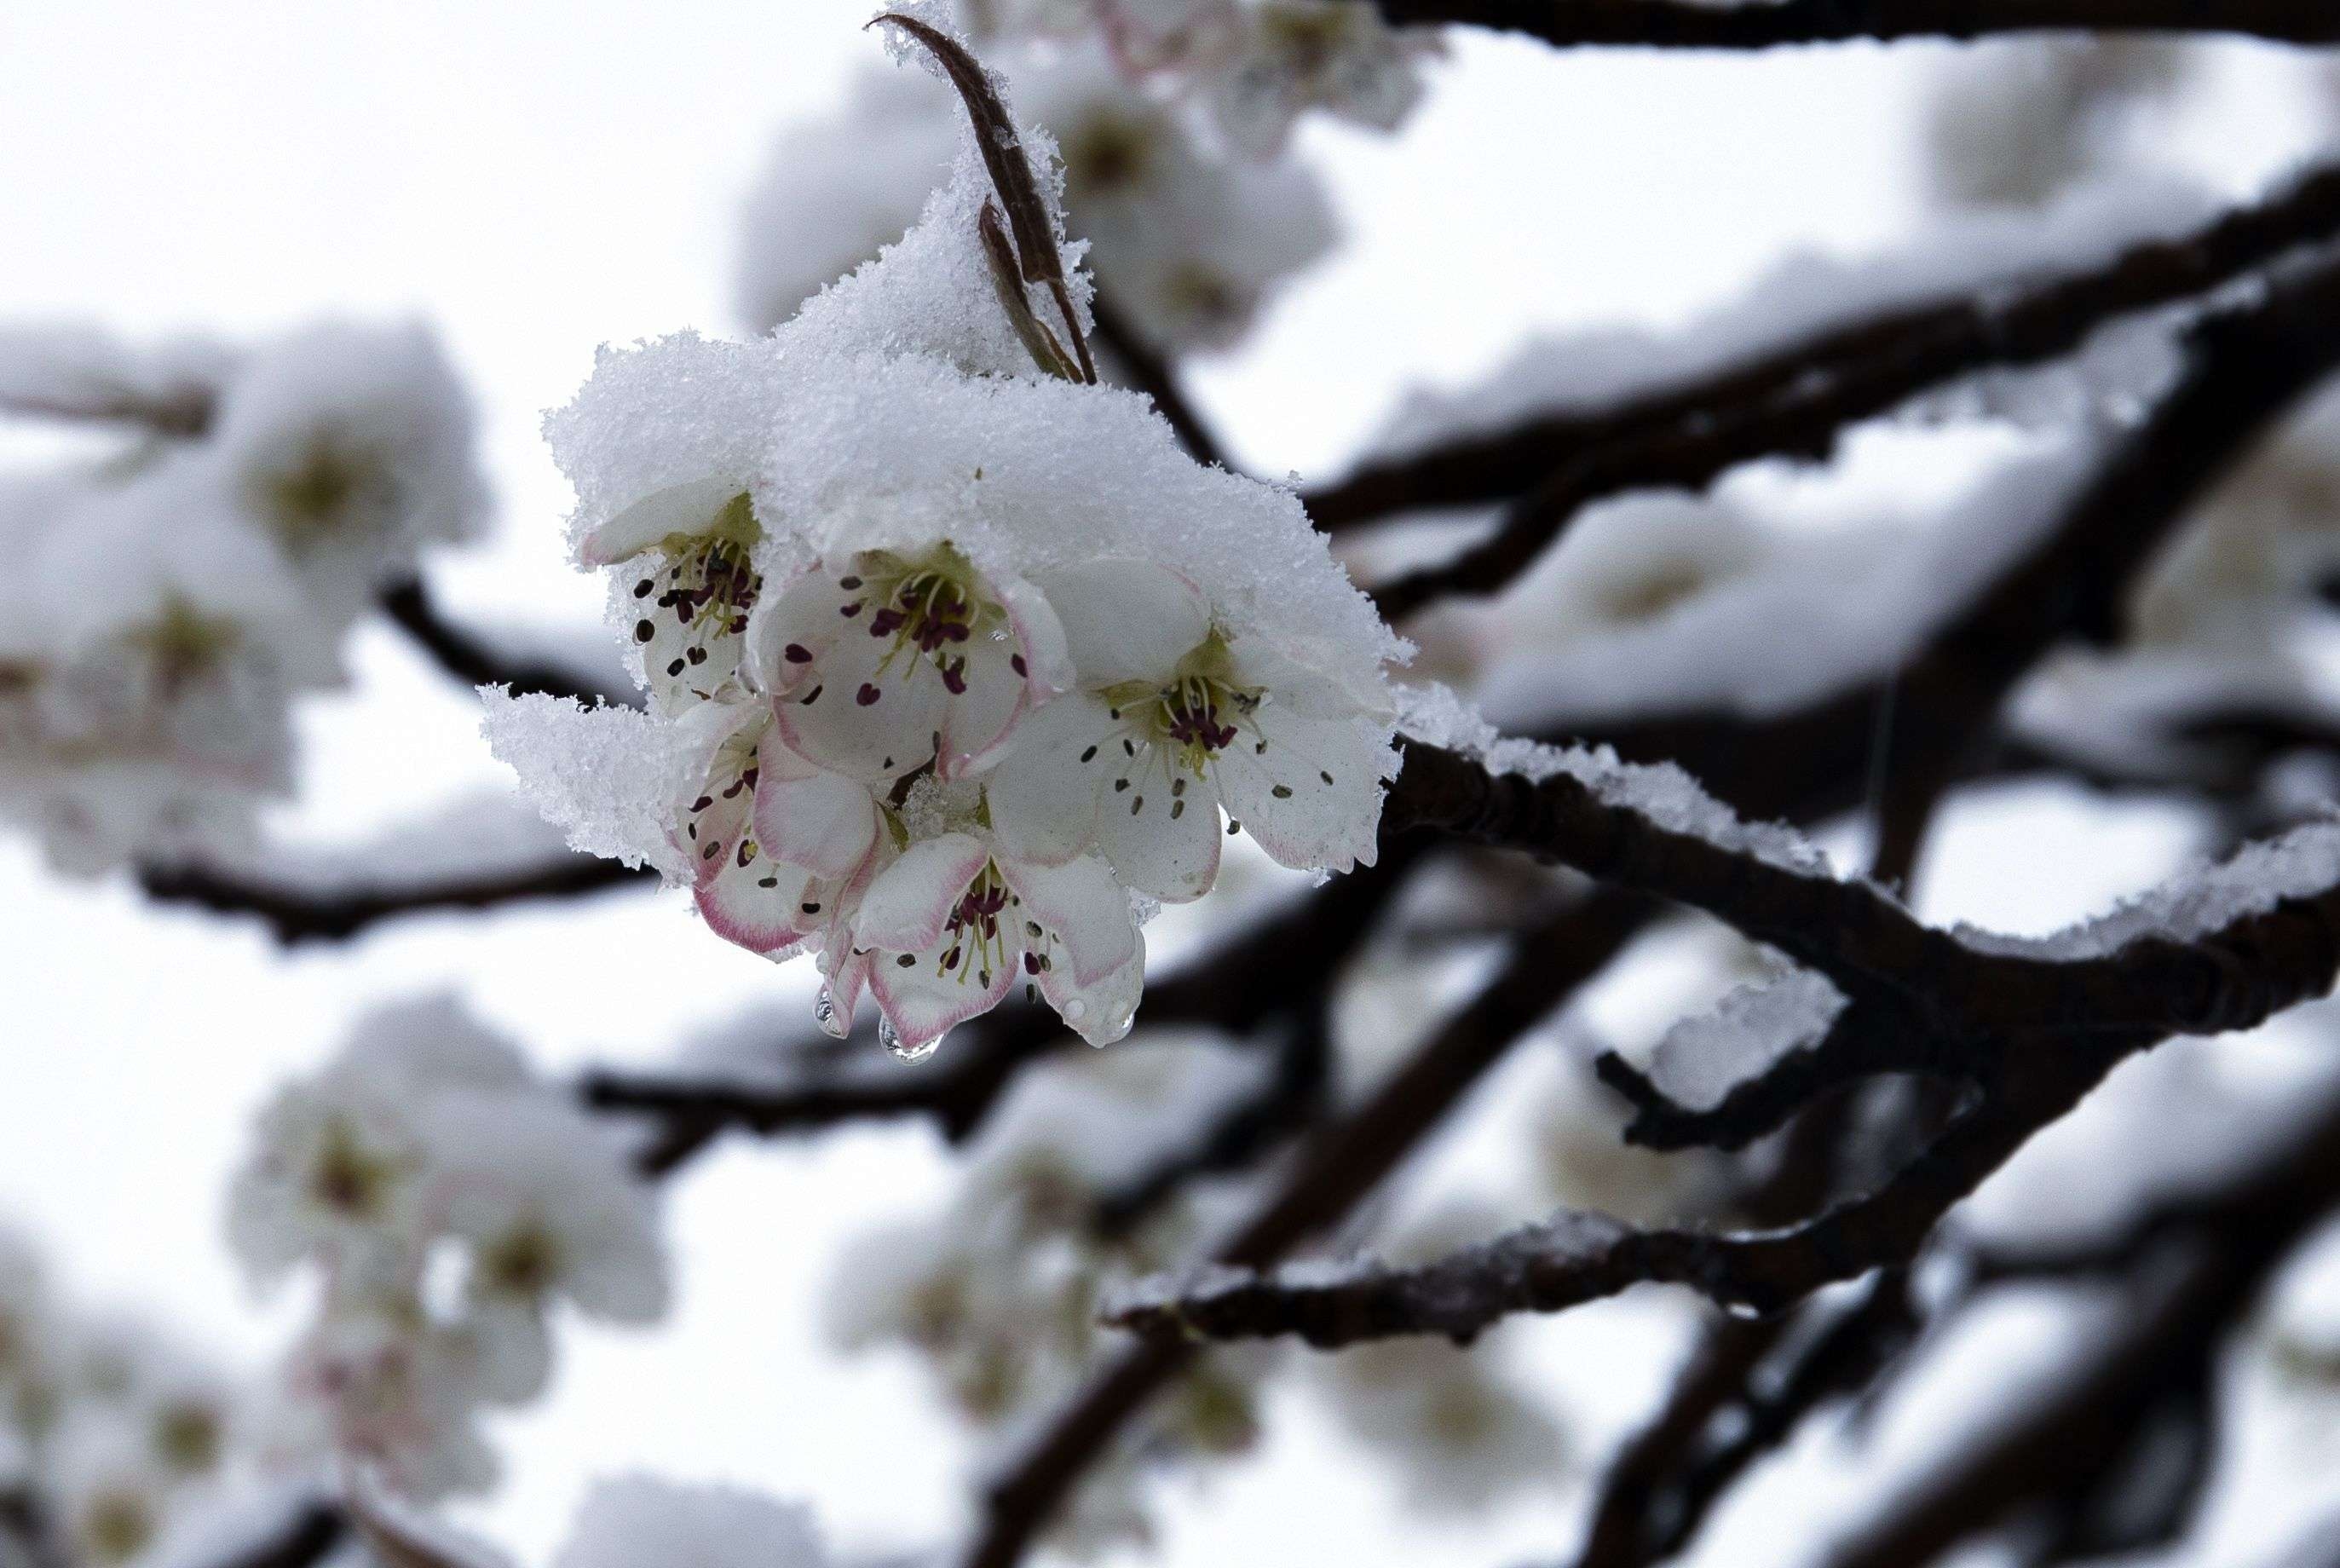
<point x="1127" y="620"/>
<point x="1102" y="1010"/>
<point x="923" y="996"/>
<point x="911" y="900"/>
<point x="690" y="508"/>
<point x="757" y="901"/>
<point x="1309" y="790"/>
<point x="1044" y="795"/>
<point x="824" y="823"/>
<point x="1081" y="908"/>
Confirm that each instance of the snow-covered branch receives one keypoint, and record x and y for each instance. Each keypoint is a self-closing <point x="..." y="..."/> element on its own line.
<point x="1769" y="23"/>
<point x="1799" y="402"/>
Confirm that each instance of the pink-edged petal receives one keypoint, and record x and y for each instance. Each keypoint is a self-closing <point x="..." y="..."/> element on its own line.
<point x="1039" y="636"/>
<point x="910" y="902"/>
<point x="1081" y="908"/>
<point x="758" y="902"/>
<point x="1127" y="620"/>
<point x="857" y="718"/>
<point x="1044" y="795"/>
<point x="848" y="977"/>
<point x="824" y="823"/>
<point x="978" y="721"/>
<point x="1102" y="1010"/>
<point x="710" y="822"/>
<point x="685" y="509"/>
<point x="1308" y="790"/>
<point x="1162" y="833"/>
<point x="924" y="997"/>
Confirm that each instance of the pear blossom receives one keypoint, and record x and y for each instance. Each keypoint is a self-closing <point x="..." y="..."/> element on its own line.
<point x="883" y="661"/>
<point x="1299" y="55"/>
<point x="775" y="844"/>
<point x="950" y="928"/>
<point x="1174" y="721"/>
<point x="450" y="1201"/>
<point x="692" y="587"/>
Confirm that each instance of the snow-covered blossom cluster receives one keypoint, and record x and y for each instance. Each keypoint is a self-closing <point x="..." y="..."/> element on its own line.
<point x="953" y="665"/>
<point x="111" y="1436"/>
<point x="447" y="1201"/>
<point x="999" y="1292"/>
<point x="1174" y="120"/>
<point x="173" y="594"/>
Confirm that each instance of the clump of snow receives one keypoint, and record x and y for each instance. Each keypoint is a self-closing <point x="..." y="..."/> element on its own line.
<point x="1663" y="793"/>
<point x="609" y="778"/>
<point x="1967" y="257"/>
<point x="1748" y="1032"/>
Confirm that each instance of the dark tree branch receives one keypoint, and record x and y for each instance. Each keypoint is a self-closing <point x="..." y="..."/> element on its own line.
<point x="474" y="662"/>
<point x="295" y="915"/>
<point x="1344" y="1164"/>
<point x="1691" y="25"/>
<point x="181" y="413"/>
<point x="1146" y="368"/>
<point x="1798" y="402"/>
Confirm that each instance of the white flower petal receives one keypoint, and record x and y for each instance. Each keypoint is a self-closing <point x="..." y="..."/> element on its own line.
<point x="1308" y="790"/>
<point x="977" y="721"/>
<point x="1162" y="833"/>
<point x="686" y="509"/>
<point x="857" y="718"/>
<point x="824" y="823"/>
<point x="1082" y="908"/>
<point x="758" y="902"/>
<point x="1102" y="1010"/>
<point x="909" y="902"/>
<point x="1044" y="795"/>
<point x="1039" y="634"/>
<point x="1127" y="620"/>
<point x="923" y="998"/>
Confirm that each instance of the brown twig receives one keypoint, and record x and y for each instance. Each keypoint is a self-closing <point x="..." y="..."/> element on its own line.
<point x="295" y="915"/>
<point x="473" y="660"/>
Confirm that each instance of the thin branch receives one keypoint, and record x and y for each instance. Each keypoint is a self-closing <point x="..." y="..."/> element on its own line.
<point x="295" y="915"/>
<point x="1344" y="1163"/>
<point x="1700" y="25"/>
<point x="1146" y="368"/>
<point x="1798" y="402"/>
<point x="183" y="413"/>
<point x="473" y="661"/>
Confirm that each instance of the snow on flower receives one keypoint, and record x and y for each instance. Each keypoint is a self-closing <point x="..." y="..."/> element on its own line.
<point x="428" y="1141"/>
<point x="948" y="572"/>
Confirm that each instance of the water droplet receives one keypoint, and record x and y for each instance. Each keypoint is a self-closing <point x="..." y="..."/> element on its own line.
<point x="824" y="1013"/>
<point x="892" y="1039"/>
<point x="1076" y="1009"/>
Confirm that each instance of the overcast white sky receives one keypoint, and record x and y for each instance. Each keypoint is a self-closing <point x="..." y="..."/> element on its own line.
<point x="540" y="176"/>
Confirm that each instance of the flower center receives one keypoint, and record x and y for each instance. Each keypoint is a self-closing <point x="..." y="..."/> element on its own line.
<point x="1199" y="713"/>
<point x="932" y="608"/>
<point x="978" y="946"/>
